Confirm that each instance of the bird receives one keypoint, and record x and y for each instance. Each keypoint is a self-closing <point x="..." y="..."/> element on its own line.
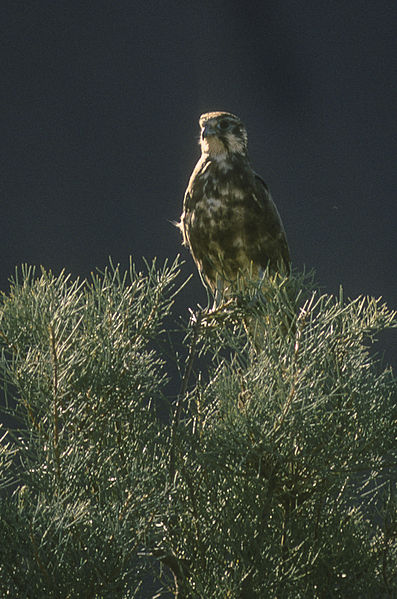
<point x="229" y="221"/>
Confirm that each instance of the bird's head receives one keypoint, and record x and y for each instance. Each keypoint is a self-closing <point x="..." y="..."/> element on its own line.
<point x="222" y="134"/>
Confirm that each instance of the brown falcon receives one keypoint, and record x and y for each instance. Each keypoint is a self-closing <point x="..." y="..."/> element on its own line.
<point x="229" y="220"/>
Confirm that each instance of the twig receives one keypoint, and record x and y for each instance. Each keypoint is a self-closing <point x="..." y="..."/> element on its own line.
<point x="36" y="554"/>
<point x="182" y="393"/>
<point x="11" y="345"/>
<point x="179" y="571"/>
<point x="291" y="394"/>
<point x="55" y="392"/>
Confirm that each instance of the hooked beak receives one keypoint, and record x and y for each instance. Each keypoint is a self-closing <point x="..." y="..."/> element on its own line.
<point x="208" y="131"/>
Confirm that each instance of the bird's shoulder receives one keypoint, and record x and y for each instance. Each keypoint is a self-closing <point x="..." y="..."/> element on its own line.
<point x="269" y="224"/>
<point x="262" y="195"/>
<point x="264" y="204"/>
<point x="198" y="177"/>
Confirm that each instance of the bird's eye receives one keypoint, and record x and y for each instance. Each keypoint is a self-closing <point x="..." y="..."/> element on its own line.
<point x="223" y="125"/>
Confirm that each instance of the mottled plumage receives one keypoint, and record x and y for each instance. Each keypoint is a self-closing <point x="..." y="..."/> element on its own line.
<point x="229" y="221"/>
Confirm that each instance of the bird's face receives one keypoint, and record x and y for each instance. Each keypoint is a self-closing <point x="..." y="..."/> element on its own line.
<point x="222" y="134"/>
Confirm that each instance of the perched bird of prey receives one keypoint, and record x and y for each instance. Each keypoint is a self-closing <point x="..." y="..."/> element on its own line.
<point x="229" y="220"/>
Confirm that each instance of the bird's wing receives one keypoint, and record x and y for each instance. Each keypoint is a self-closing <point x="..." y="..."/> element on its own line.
<point x="272" y="247"/>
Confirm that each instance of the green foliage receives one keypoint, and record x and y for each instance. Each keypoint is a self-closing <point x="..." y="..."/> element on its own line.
<point x="274" y="475"/>
<point x="87" y="448"/>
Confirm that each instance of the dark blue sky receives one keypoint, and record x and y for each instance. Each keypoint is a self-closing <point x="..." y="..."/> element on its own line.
<point x="99" y="107"/>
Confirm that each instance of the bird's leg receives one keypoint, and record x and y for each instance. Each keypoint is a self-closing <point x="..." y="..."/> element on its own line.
<point x="220" y="306"/>
<point x="218" y="296"/>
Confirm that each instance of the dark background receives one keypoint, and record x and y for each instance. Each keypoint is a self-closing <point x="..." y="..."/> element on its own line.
<point x="99" y="107"/>
<point x="99" y="103"/>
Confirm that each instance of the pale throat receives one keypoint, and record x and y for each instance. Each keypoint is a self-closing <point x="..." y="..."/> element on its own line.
<point x="216" y="149"/>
